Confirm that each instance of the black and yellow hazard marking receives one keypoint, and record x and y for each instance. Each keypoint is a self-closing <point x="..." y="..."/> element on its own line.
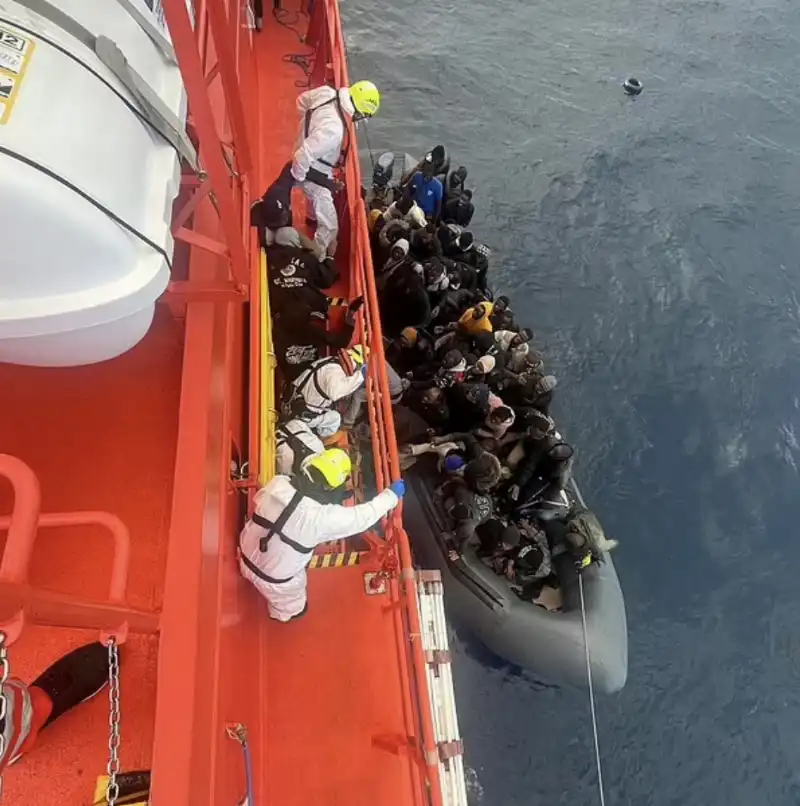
<point x="343" y="559"/>
<point x="134" y="789"/>
<point x="338" y="302"/>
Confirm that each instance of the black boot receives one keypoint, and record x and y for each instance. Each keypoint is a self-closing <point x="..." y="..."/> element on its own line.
<point x="78" y="676"/>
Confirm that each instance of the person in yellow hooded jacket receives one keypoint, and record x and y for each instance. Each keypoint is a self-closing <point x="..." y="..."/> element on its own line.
<point x="477" y="319"/>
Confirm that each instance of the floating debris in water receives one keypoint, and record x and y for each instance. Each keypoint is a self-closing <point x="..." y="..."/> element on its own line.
<point x="632" y="86"/>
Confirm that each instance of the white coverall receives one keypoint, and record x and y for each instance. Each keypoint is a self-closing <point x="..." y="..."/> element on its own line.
<point x="321" y="150"/>
<point x="285" y="452"/>
<point x="335" y="383"/>
<point x="310" y="524"/>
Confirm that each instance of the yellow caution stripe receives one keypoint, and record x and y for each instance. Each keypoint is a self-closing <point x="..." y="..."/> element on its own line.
<point x="343" y="559"/>
<point x="134" y="789"/>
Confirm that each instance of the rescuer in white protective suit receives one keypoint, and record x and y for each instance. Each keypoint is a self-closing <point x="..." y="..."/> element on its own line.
<point x="295" y="444"/>
<point x="324" y="114"/>
<point x="290" y="520"/>
<point x="313" y="394"/>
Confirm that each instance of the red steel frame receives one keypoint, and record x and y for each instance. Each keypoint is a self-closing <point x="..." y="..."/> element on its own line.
<point x="216" y="62"/>
<point x="225" y="180"/>
<point x="192" y="760"/>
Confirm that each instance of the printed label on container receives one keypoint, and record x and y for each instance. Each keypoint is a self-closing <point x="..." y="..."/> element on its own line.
<point x="15" y="54"/>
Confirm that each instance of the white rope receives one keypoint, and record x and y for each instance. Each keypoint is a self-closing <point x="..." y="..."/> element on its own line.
<point x="595" y="734"/>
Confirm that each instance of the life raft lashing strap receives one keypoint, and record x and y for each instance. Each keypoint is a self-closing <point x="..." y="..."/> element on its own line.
<point x="275" y="528"/>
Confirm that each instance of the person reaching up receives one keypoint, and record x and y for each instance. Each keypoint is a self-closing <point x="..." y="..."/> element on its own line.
<point x="436" y="160"/>
<point x="294" y="516"/>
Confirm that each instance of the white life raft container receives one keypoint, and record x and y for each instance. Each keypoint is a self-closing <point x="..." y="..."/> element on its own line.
<point x="92" y="114"/>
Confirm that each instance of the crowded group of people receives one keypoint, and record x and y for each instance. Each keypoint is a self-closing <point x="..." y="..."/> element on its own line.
<point x="477" y="396"/>
<point x="470" y="392"/>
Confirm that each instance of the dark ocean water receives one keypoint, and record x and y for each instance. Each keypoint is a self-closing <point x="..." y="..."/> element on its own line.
<point x="654" y="243"/>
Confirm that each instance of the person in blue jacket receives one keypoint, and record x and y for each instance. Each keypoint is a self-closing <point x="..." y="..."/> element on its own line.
<point x="427" y="191"/>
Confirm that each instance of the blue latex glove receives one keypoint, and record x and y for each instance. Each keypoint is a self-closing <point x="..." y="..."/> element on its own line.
<point x="364" y="371"/>
<point x="398" y="488"/>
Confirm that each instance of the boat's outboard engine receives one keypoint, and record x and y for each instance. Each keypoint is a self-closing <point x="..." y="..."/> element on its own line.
<point x="383" y="170"/>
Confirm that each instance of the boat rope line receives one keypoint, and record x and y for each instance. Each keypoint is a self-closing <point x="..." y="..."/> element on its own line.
<point x="131" y="106"/>
<point x="592" y="708"/>
<point x="84" y="195"/>
<point x="365" y="129"/>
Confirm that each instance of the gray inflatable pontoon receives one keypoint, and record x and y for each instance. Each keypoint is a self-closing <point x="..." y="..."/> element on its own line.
<point x="549" y="644"/>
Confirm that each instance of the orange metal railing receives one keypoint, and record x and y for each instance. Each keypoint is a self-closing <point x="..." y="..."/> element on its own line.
<point x="332" y="55"/>
<point x="20" y="601"/>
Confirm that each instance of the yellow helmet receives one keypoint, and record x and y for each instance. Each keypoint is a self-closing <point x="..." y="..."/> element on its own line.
<point x="365" y="97"/>
<point x="333" y="465"/>
<point x="372" y="219"/>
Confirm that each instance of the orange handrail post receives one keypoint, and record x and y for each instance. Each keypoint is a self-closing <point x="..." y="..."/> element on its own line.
<point x="400" y="538"/>
<point x="20" y="600"/>
<point x="24" y="517"/>
<point x="382" y="422"/>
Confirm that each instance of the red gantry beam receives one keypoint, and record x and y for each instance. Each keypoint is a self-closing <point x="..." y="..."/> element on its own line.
<point x="223" y="179"/>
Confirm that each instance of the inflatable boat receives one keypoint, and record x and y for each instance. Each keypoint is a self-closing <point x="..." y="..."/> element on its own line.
<point x="548" y="643"/>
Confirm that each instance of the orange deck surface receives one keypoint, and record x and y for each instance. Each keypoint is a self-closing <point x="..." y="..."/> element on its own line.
<point x="104" y="437"/>
<point x="335" y="719"/>
<point x="97" y="437"/>
<point x="280" y="82"/>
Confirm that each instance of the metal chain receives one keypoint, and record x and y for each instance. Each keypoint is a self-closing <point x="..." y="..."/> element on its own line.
<point x="5" y="672"/>
<point x="112" y="787"/>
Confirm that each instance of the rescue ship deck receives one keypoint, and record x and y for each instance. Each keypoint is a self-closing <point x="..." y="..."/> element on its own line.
<point x="331" y="703"/>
